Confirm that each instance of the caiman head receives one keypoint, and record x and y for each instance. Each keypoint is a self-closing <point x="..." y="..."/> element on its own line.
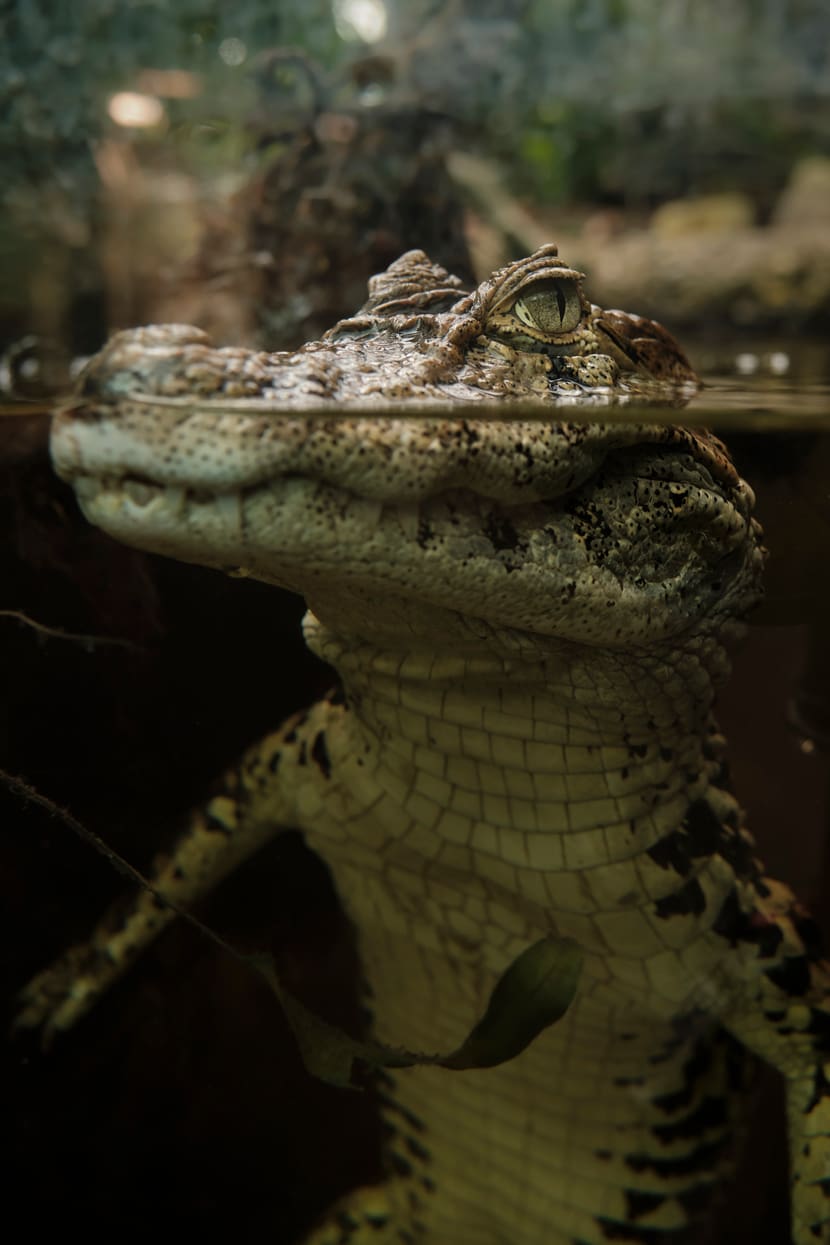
<point x="411" y="475"/>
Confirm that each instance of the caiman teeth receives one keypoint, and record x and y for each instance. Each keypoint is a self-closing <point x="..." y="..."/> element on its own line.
<point x="139" y="492"/>
<point x="229" y="507"/>
<point x="408" y="517"/>
<point x="176" y="497"/>
<point x="142" y="493"/>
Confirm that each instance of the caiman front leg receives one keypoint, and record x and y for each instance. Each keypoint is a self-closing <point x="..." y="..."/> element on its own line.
<point x="785" y="1019"/>
<point x="257" y="798"/>
<point x="285" y="781"/>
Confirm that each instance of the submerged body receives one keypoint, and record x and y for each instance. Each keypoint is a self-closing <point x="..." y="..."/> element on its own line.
<point x="529" y="621"/>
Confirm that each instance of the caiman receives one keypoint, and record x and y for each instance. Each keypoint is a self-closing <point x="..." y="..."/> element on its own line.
<point x="529" y="616"/>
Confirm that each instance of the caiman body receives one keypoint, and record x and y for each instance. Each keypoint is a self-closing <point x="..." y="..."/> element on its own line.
<point x="529" y="619"/>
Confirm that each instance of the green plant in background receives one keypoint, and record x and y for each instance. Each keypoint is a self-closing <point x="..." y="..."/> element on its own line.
<point x="587" y="101"/>
<point x="594" y="97"/>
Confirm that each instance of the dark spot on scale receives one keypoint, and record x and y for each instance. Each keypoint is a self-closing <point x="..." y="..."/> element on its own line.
<point x="320" y="754"/>
<point x="302" y="757"/>
<point x="704" y="1158"/>
<point x="500" y="532"/>
<point x="526" y="452"/>
<point x="603" y="1154"/>
<point x="179" y="873"/>
<point x="336" y="696"/>
<point x="274" y="762"/>
<point x="629" y="1082"/>
<point x="688" y="901"/>
<point x="738" y="851"/>
<point x="638" y="1204"/>
<point x="391" y="1106"/>
<point x="710" y="836"/>
<point x="400" y="1165"/>
<point x="693" y="1070"/>
<point x="752" y="927"/>
<point x="686" y="1025"/>
<point x="666" y="754"/>
<point x="417" y="1150"/>
<point x="672" y="852"/>
<point x="791" y="975"/>
<point x="638" y="750"/>
<point x="731" y="921"/>
<point x="425" y="533"/>
<point x="703" y="827"/>
<point x="767" y="936"/>
<point x="710" y="1113"/>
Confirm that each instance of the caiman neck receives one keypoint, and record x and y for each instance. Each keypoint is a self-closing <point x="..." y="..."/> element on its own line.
<point x="582" y="742"/>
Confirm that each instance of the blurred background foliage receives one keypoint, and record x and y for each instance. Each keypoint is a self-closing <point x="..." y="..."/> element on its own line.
<point x="595" y="99"/>
<point x="570" y="107"/>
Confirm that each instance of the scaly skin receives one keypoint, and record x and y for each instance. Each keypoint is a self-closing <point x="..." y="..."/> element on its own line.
<point x="529" y="621"/>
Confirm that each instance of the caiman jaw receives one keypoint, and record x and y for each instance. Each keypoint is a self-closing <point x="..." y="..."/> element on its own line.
<point x="431" y="510"/>
<point x="252" y="462"/>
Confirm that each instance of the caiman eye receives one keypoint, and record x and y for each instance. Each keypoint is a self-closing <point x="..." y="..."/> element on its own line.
<point x="550" y="306"/>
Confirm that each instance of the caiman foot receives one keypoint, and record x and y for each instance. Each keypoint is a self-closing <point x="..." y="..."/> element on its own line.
<point x="61" y="994"/>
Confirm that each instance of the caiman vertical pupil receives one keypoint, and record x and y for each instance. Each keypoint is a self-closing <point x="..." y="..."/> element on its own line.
<point x="551" y="306"/>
